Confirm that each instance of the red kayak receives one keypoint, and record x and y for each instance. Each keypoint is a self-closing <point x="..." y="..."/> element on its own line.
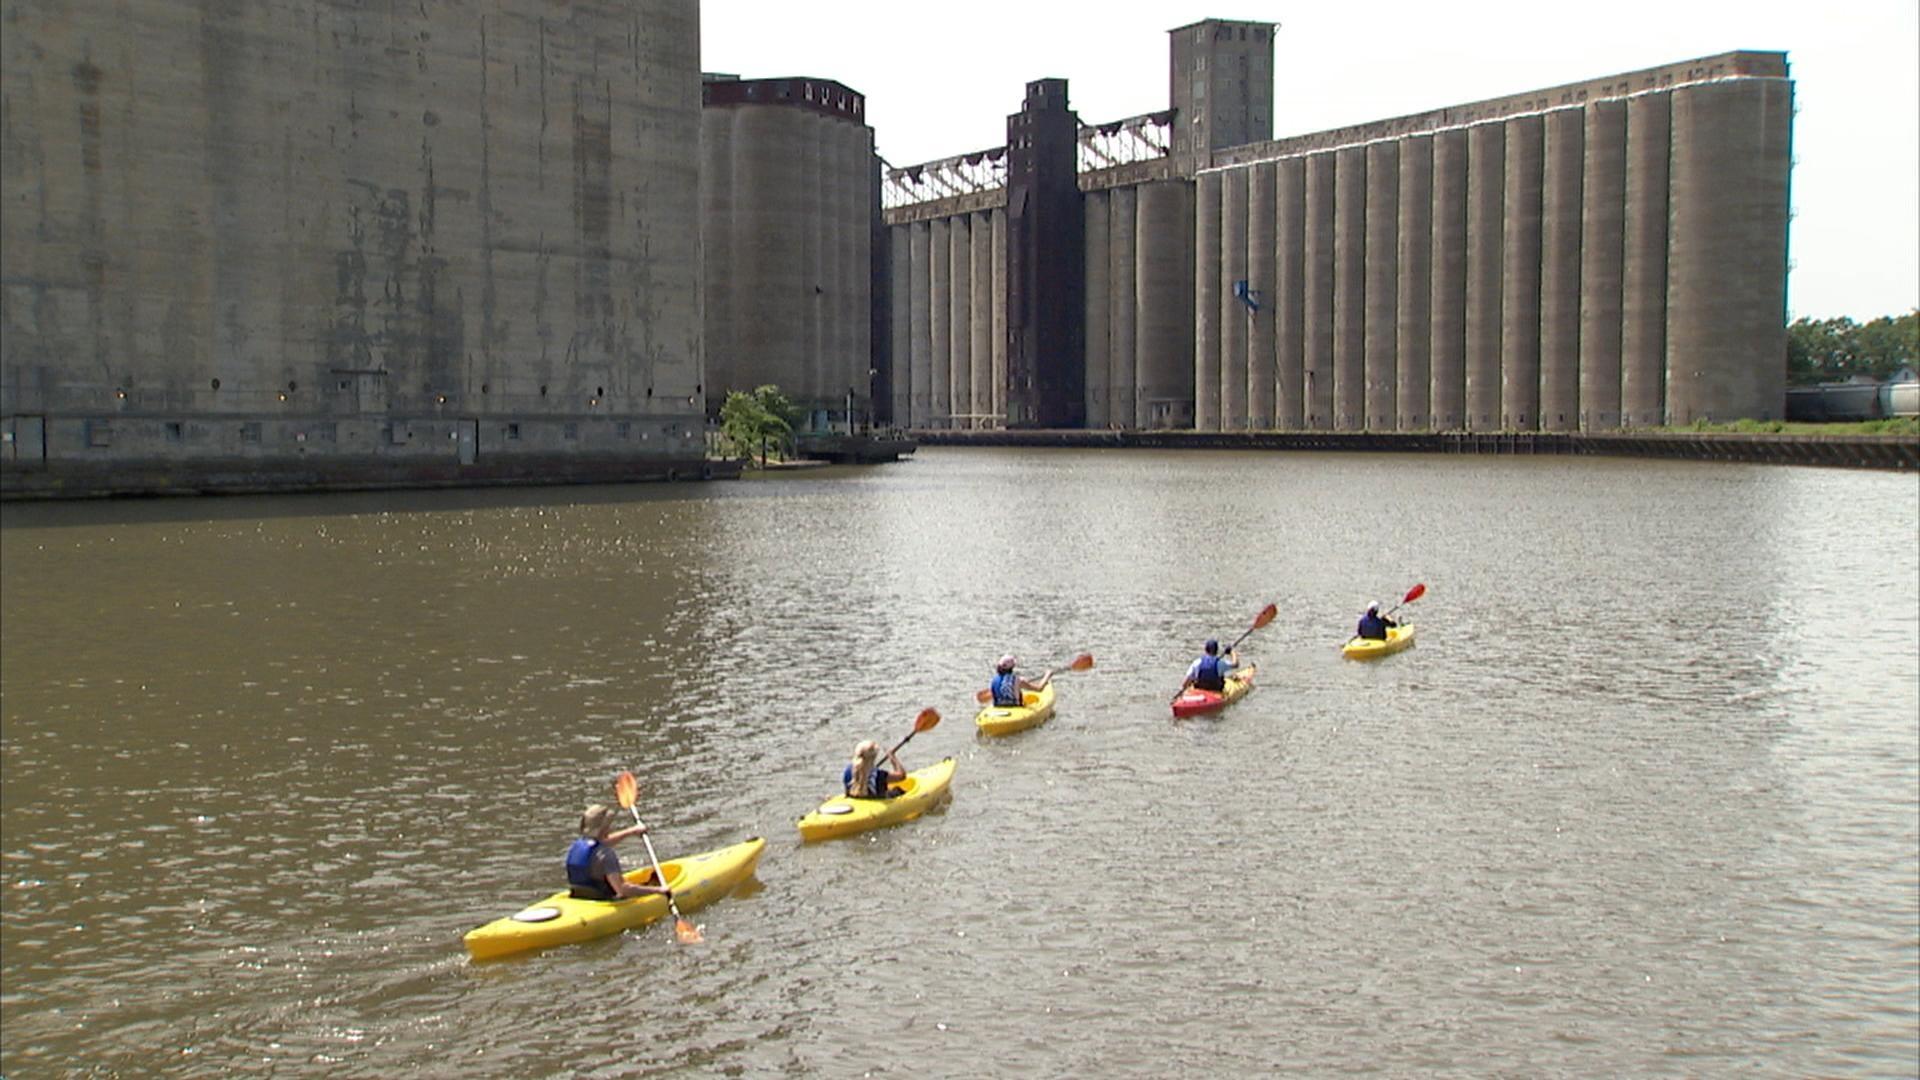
<point x="1193" y="702"/>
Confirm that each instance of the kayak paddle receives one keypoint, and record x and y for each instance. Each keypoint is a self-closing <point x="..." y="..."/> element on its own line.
<point x="627" y="790"/>
<point x="1078" y="663"/>
<point x="924" y="722"/>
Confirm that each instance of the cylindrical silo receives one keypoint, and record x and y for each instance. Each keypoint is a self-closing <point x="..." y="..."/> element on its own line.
<point x="1560" y="270"/>
<point x="1643" y="299"/>
<point x="1520" y="277"/>
<point x="900" y="300"/>
<point x="1289" y="296"/>
<point x="920" y="324"/>
<point x="805" y="388"/>
<point x="1234" y="311"/>
<point x="1163" y="305"/>
<point x="1413" y="393"/>
<point x="985" y="280"/>
<point x="1603" y="204"/>
<point x="717" y="229"/>
<point x="1727" y="251"/>
<point x="1122" y="313"/>
<point x="1349" y="288"/>
<point x="960" y="350"/>
<point x="940" y="285"/>
<point x="1448" y="343"/>
<point x="1317" y="318"/>
<point x="1206" y="303"/>
<point x="1096" y="207"/>
<point x="999" y="218"/>
<point x="1486" y="243"/>
<point x="856" y="266"/>
<point x="1382" y="334"/>
<point x="1260" y="276"/>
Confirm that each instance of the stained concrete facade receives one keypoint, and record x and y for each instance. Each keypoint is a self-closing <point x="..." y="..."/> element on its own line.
<point x="434" y="242"/>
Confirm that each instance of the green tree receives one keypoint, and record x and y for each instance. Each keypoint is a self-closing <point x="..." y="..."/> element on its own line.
<point x="1888" y="344"/>
<point x="1835" y="350"/>
<point x="753" y="421"/>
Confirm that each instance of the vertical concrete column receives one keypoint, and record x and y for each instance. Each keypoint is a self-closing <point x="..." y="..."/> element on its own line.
<point x="960" y="351"/>
<point x="717" y="233"/>
<point x="1643" y="286"/>
<point x="1727" y="251"/>
<point x="1349" y="289"/>
<point x="813" y="261"/>
<point x="1520" y="277"/>
<point x="985" y="282"/>
<point x="999" y="218"/>
<point x="1448" y="342"/>
<point x="1560" y="214"/>
<point x="1099" y="255"/>
<point x="856" y="270"/>
<point x="1289" y="291"/>
<point x="1413" y="394"/>
<point x="920" y="323"/>
<point x="1235" y="316"/>
<point x="900" y="301"/>
<point x="940" y="279"/>
<point x="1261" y="260"/>
<point x="1206" y="303"/>
<point x="1122" y="303"/>
<point x="1317" y="316"/>
<point x="1382" y="341"/>
<point x="1603" y="211"/>
<point x="1163" y="305"/>
<point x="1486" y="241"/>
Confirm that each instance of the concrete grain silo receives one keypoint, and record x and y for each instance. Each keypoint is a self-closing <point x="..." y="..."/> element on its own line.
<point x="1100" y="302"/>
<point x="1123" y="309"/>
<point x="1520" y="276"/>
<point x="1207" y="274"/>
<point x="1602" y="253"/>
<point x="1486" y="247"/>
<point x="1164" y="318"/>
<point x="1235" y="314"/>
<point x="1261" y="270"/>
<point x="1349" y="288"/>
<point x="1289" y="300"/>
<point x="1317" y="319"/>
<point x="1414" y="301"/>
<point x="1560" y="218"/>
<point x="1643" y="300"/>
<point x="1447" y="337"/>
<point x="1381" y="336"/>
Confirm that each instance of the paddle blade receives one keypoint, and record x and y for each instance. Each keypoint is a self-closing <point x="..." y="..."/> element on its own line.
<point x="983" y="696"/>
<point x="1083" y="662"/>
<point x="1266" y="615"/>
<point x="686" y="933"/>
<point x="1414" y="593"/>
<point x="626" y="789"/>
<point x="926" y="720"/>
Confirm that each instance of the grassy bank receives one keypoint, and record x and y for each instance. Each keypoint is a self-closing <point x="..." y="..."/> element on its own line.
<point x="1905" y="425"/>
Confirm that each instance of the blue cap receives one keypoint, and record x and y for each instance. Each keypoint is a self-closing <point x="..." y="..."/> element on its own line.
<point x="1212" y="645"/>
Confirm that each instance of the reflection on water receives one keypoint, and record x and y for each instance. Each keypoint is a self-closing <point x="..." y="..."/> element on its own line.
<point x="1645" y="798"/>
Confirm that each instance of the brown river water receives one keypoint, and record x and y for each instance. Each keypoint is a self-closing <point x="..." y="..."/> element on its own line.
<point x="1643" y="800"/>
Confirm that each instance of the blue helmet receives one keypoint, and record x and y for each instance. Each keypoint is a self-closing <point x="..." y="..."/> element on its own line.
<point x="1212" y="646"/>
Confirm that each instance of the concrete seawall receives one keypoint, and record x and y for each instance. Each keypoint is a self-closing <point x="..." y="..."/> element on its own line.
<point x="1899" y="452"/>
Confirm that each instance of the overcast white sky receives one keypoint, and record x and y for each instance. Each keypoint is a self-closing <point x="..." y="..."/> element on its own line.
<point x="941" y="79"/>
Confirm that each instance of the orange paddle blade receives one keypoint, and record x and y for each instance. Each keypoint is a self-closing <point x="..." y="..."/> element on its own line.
<point x="1414" y="593"/>
<point x="686" y="933"/>
<point x="926" y="720"/>
<point x="626" y="789"/>
<point x="981" y="696"/>
<point x="1082" y="662"/>
<point x="1266" y="615"/>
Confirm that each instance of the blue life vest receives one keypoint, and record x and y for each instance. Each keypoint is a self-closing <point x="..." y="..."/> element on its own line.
<point x="1209" y="677"/>
<point x="1372" y="627"/>
<point x="580" y="870"/>
<point x="877" y="785"/>
<point x="1006" y="690"/>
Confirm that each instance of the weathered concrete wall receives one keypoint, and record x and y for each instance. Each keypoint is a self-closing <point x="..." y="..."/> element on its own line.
<point x="291" y="232"/>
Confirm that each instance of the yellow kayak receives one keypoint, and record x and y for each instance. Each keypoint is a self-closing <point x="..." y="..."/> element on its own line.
<point x="696" y="881"/>
<point x="842" y="816"/>
<point x="1007" y="719"/>
<point x="1398" y="637"/>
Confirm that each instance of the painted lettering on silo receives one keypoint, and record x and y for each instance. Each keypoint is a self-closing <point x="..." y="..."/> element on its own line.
<point x="1486" y="245"/>
<point x="1163" y="305"/>
<point x="1349" y="288"/>
<point x="1289" y="299"/>
<point x="1560" y="213"/>
<point x="1095" y="206"/>
<point x="1726" y="302"/>
<point x="1260" y="277"/>
<point x="1414" y="306"/>
<point x="1643" y="301"/>
<point x="1234" y="313"/>
<point x="1603" y="208"/>
<point x="1317" y="318"/>
<point x="1206" y="304"/>
<point x="1520" y="277"/>
<point x="1382" y="333"/>
<point x="1122" y="314"/>
<point x="1449" y="336"/>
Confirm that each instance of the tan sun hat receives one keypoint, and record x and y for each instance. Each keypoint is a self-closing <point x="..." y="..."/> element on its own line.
<point x="596" y="821"/>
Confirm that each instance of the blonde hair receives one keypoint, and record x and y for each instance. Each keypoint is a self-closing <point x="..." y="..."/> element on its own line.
<point x="596" y="821"/>
<point x="865" y="756"/>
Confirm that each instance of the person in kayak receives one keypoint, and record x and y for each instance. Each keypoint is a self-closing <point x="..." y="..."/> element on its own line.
<point x="593" y="870"/>
<point x="864" y="779"/>
<point x="1373" y="625"/>
<point x="1211" y="670"/>
<point x="1007" y="686"/>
